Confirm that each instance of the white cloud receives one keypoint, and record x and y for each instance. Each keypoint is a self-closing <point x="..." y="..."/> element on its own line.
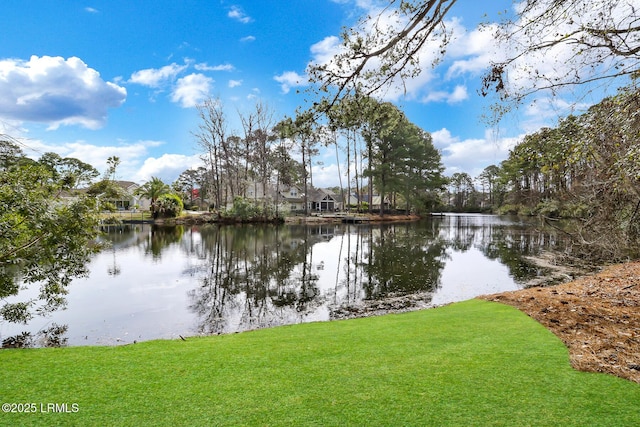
<point x="290" y="79"/>
<point x="238" y="14"/>
<point x="473" y="51"/>
<point x="326" y="176"/>
<point x="254" y="95"/>
<point x="248" y="39"/>
<point x="235" y="83"/>
<point x="98" y="155"/>
<point x="551" y="71"/>
<point x="166" y="167"/>
<point x="221" y="67"/>
<point x="459" y="94"/>
<point x="427" y="84"/>
<point x="544" y="112"/>
<point x="91" y="10"/>
<point x="191" y="90"/>
<point x="131" y="154"/>
<point x="56" y="91"/>
<point x="324" y="51"/>
<point x="135" y="163"/>
<point x="472" y="155"/>
<point x="156" y="77"/>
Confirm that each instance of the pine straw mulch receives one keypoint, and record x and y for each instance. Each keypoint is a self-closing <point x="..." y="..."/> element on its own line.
<point x="596" y="316"/>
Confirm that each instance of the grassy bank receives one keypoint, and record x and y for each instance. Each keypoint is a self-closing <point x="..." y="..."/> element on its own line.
<point x="128" y="215"/>
<point x="472" y="363"/>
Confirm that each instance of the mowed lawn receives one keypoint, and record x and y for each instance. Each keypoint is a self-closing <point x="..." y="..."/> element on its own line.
<point x="474" y="363"/>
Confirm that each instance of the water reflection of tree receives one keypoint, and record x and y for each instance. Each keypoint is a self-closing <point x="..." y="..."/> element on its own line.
<point x="512" y="245"/>
<point x="161" y="237"/>
<point x="510" y="242"/>
<point x="403" y="258"/>
<point x="153" y="239"/>
<point x="255" y="276"/>
<point x="53" y="336"/>
<point x="112" y="237"/>
<point x="461" y="233"/>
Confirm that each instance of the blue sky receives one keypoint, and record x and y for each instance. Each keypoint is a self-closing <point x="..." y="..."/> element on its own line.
<point x="92" y="79"/>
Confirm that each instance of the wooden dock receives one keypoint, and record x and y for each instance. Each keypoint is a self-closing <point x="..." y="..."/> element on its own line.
<point x="355" y="219"/>
<point x="341" y="217"/>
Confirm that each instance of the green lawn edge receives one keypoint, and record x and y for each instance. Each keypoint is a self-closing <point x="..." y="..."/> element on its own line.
<point x="470" y="363"/>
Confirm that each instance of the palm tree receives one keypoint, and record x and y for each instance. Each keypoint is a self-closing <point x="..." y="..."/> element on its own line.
<point x="152" y="190"/>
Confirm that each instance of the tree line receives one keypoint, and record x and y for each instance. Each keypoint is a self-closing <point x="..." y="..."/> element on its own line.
<point x="586" y="168"/>
<point x="381" y="151"/>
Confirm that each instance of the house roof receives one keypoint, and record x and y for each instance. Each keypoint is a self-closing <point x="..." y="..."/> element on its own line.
<point x="318" y="194"/>
<point x="126" y="185"/>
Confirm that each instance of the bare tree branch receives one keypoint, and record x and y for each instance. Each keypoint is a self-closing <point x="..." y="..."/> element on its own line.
<point x="589" y="40"/>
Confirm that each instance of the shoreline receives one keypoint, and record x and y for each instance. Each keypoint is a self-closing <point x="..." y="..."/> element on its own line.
<point x="207" y="218"/>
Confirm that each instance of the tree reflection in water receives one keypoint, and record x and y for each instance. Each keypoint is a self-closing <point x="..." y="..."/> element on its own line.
<point x="219" y="279"/>
<point x="257" y="276"/>
<point x="254" y="277"/>
<point x="403" y="259"/>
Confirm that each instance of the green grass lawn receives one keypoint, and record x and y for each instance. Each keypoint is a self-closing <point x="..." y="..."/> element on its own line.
<point x="474" y="363"/>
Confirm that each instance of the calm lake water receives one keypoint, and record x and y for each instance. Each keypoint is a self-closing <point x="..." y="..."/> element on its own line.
<point x="165" y="282"/>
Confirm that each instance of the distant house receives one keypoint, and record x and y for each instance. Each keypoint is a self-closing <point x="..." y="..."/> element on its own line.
<point x="255" y="191"/>
<point x="129" y="200"/>
<point x="352" y="201"/>
<point x="318" y="199"/>
<point x="376" y="201"/>
<point x="195" y="198"/>
<point x="321" y="200"/>
<point x="291" y="197"/>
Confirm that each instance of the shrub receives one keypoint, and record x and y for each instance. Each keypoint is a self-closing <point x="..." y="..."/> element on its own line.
<point x="169" y="205"/>
<point x="549" y="208"/>
<point x="108" y="206"/>
<point x="508" y="209"/>
<point x="525" y="211"/>
<point x="575" y="210"/>
<point x="243" y="209"/>
<point x="112" y="220"/>
<point x="246" y="210"/>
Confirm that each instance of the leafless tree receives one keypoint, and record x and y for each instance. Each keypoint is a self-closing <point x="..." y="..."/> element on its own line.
<point x="211" y="137"/>
<point x="258" y="130"/>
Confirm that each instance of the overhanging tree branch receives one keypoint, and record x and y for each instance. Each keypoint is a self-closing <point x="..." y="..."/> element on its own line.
<point x="590" y="39"/>
<point x="398" y="50"/>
